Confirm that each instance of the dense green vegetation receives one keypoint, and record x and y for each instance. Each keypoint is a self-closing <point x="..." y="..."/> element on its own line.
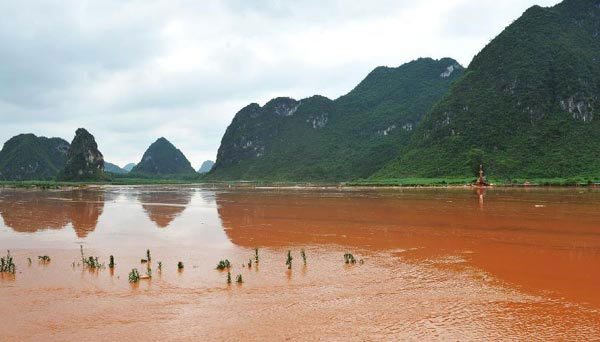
<point x="28" y="157"/>
<point x="318" y="139"/>
<point x="162" y="158"/>
<point x="526" y="107"/>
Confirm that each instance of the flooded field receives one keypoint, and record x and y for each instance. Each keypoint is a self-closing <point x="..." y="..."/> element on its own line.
<point x="443" y="264"/>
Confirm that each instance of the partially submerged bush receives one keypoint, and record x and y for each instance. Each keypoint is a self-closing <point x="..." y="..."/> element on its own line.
<point x="180" y="265"/>
<point x="228" y="277"/>
<point x="349" y="258"/>
<point x="92" y="262"/>
<point x="303" y="254"/>
<point x="6" y="264"/>
<point x="44" y="258"/>
<point x="288" y="262"/>
<point x="148" y="257"/>
<point x="223" y="264"/>
<point x="256" y="255"/>
<point x="111" y="262"/>
<point x="239" y="279"/>
<point x="249" y="263"/>
<point x="134" y="276"/>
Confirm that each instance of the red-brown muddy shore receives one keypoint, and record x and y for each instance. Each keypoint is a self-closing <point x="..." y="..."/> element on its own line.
<point x="439" y="264"/>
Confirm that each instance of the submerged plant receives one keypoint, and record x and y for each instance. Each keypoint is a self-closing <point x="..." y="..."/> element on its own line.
<point x="44" y="258"/>
<point x="239" y="279"/>
<point x="228" y="277"/>
<point x="256" y="255"/>
<point x="134" y="276"/>
<point x="111" y="262"/>
<point x="303" y="254"/>
<point x="180" y="265"/>
<point x="288" y="262"/>
<point x="223" y="264"/>
<point x="349" y="258"/>
<point x="92" y="262"/>
<point x="82" y="257"/>
<point x="6" y="264"/>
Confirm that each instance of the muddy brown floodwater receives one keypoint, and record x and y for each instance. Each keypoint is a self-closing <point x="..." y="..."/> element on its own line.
<point x="438" y="264"/>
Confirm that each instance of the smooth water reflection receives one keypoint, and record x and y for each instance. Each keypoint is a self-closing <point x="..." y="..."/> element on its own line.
<point x="112" y="216"/>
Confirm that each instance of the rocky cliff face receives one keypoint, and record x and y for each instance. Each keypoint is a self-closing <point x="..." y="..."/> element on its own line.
<point x="162" y="158"/>
<point x="321" y="139"/>
<point x="85" y="162"/>
<point x="28" y="157"/>
<point x="528" y="105"/>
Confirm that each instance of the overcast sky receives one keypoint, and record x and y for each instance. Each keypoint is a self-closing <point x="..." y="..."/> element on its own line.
<point x="133" y="71"/>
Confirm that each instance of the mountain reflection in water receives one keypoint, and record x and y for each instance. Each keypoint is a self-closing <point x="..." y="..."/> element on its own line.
<point x="33" y="211"/>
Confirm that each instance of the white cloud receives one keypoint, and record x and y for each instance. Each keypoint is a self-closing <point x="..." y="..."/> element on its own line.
<point x="132" y="71"/>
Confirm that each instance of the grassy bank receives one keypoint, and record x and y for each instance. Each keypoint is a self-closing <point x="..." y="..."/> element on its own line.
<point x="120" y="181"/>
<point x="450" y="181"/>
<point x="394" y="182"/>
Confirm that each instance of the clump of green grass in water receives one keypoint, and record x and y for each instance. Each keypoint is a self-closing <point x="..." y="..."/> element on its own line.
<point x="180" y="265"/>
<point x="288" y="262"/>
<point x="44" y="258"/>
<point x="239" y="279"/>
<point x="134" y="276"/>
<point x="228" y="277"/>
<point x="349" y="258"/>
<point x="303" y="254"/>
<point x="92" y="262"/>
<point x="223" y="264"/>
<point x="111" y="262"/>
<point x="6" y="264"/>
<point x="256" y="255"/>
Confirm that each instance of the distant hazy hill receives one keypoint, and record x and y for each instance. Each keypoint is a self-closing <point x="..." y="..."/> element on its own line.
<point x="206" y="166"/>
<point x="528" y="105"/>
<point x="320" y="139"/>
<point x="112" y="168"/>
<point x="128" y="167"/>
<point x="84" y="160"/>
<point x="162" y="158"/>
<point x="28" y="157"/>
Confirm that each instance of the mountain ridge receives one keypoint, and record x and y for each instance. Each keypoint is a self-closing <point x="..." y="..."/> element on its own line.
<point x="526" y="105"/>
<point x="288" y="139"/>
<point x="163" y="158"/>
